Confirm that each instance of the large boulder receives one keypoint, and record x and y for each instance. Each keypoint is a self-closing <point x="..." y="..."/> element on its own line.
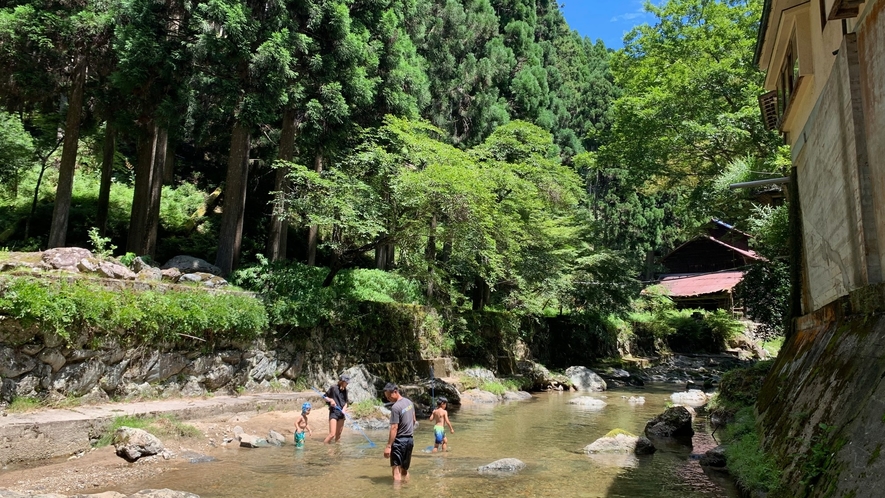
<point x="714" y="458"/>
<point x="65" y="258"/>
<point x="133" y="444"/>
<point x="539" y="377"/>
<point x="190" y="264"/>
<point x="479" y="373"/>
<point x="694" y="398"/>
<point x="363" y="384"/>
<point x="503" y="466"/>
<point x="479" y="396"/>
<point x="617" y="443"/>
<point x="434" y="388"/>
<point x="585" y="379"/>
<point x="674" y="422"/>
<point x="14" y="363"/>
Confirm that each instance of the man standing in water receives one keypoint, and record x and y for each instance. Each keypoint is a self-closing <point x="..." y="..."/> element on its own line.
<point x="402" y="425"/>
<point x="336" y="397"/>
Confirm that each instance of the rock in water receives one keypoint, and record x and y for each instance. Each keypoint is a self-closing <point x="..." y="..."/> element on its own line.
<point x="133" y="444"/>
<point x="503" y="466"/>
<point x="675" y="422"/>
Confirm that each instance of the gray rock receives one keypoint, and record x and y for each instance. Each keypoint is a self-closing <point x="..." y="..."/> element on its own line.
<point x="157" y="367"/>
<point x="138" y="265"/>
<point x="194" y="457"/>
<point x="275" y="438"/>
<point x="110" y="269"/>
<point x="479" y="373"/>
<point x="674" y="422"/>
<point x="53" y="358"/>
<point x="517" y="396"/>
<point x="588" y="402"/>
<point x="262" y="366"/>
<point x="65" y="258"/>
<point x="439" y="387"/>
<point x="14" y="363"/>
<point x="113" y="376"/>
<point x="95" y="396"/>
<point x="171" y="274"/>
<point x="149" y="275"/>
<point x="79" y="378"/>
<point x="250" y="441"/>
<point x="25" y="386"/>
<point x="644" y="446"/>
<point x="218" y="377"/>
<point x="190" y="264"/>
<point x="479" y="396"/>
<point x="693" y="397"/>
<point x="362" y="385"/>
<point x="585" y="379"/>
<point x="192" y="389"/>
<point x="163" y="493"/>
<point x="133" y="444"/>
<point x="505" y="465"/>
<point x="89" y="265"/>
<point x="620" y="443"/>
<point x="714" y="458"/>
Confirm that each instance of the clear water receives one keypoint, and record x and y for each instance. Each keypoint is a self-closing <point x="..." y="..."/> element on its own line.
<point x="546" y="433"/>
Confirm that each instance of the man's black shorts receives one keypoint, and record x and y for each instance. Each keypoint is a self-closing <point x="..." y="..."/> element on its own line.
<point x="401" y="452"/>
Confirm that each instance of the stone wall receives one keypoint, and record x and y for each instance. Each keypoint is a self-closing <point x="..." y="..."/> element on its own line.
<point x="822" y="408"/>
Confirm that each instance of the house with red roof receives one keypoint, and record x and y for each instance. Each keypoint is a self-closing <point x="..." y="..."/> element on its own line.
<point x="703" y="272"/>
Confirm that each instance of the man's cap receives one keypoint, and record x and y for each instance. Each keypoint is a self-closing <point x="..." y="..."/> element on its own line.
<point x="390" y="387"/>
<point x="305" y="407"/>
<point x="344" y="378"/>
<point x="440" y="400"/>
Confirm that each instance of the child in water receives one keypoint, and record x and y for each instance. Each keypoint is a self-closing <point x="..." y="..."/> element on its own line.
<point x="440" y="419"/>
<point x="302" y="429"/>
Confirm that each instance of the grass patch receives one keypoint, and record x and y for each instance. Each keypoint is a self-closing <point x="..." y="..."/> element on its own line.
<point x="753" y="469"/>
<point x="363" y="408"/>
<point x="773" y="347"/>
<point x="24" y="405"/>
<point x="163" y="427"/>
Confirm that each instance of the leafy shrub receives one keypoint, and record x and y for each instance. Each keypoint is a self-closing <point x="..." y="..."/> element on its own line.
<point x="294" y="295"/>
<point x="364" y="408"/>
<point x="83" y="305"/>
<point x="741" y="387"/>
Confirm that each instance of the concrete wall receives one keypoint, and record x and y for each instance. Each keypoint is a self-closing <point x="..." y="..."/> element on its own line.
<point x="826" y="158"/>
<point x="871" y="50"/>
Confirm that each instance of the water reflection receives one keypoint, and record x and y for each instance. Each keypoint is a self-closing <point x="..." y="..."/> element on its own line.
<point x="546" y="433"/>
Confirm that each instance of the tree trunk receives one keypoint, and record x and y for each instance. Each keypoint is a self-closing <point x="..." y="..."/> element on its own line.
<point x="313" y="234"/>
<point x="381" y="257"/>
<point x="107" y="169"/>
<point x="278" y="235"/>
<point x="234" y="207"/>
<point x="145" y="217"/>
<point x="481" y="294"/>
<point x="430" y="257"/>
<point x="59" y="230"/>
<point x="169" y="163"/>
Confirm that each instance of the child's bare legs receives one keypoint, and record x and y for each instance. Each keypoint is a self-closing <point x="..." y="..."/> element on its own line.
<point x="445" y="444"/>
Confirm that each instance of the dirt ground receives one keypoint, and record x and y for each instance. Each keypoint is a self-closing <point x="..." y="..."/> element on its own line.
<point x="101" y="468"/>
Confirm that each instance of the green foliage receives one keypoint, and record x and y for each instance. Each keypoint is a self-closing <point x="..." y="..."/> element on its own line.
<point x="655" y="316"/>
<point x="81" y="306"/>
<point x="771" y="227"/>
<point x="294" y="295"/>
<point x="765" y="291"/>
<point x="16" y="152"/>
<point x="101" y="245"/>
<point x="753" y="469"/>
<point x="819" y="457"/>
<point x="740" y="387"/>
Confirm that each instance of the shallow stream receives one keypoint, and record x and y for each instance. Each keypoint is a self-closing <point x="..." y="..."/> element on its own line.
<point x="546" y="433"/>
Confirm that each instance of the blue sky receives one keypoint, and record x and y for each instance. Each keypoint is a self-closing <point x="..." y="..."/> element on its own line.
<point x="605" y="19"/>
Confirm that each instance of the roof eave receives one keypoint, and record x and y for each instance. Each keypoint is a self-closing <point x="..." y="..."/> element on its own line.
<point x="763" y="27"/>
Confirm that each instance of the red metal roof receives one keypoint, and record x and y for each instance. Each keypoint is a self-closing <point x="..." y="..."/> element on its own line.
<point x="689" y="285"/>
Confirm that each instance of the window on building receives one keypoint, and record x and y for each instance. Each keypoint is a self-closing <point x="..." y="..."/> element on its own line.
<point x="788" y="78"/>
